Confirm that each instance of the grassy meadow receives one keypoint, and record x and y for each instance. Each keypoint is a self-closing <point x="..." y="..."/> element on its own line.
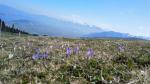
<point x="110" y="61"/>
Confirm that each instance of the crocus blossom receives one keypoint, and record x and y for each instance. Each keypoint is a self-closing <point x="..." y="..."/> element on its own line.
<point x="37" y="50"/>
<point x="39" y="55"/>
<point x="68" y="52"/>
<point x="90" y="52"/>
<point x="121" y="48"/>
<point x="35" y="56"/>
<point x="45" y="55"/>
<point x="76" y="50"/>
<point x="10" y="56"/>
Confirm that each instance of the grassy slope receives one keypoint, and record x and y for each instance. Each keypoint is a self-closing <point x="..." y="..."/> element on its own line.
<point x="108" y="65"/>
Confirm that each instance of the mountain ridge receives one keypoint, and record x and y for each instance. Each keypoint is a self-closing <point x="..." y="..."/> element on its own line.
<point x="43" y="25"/>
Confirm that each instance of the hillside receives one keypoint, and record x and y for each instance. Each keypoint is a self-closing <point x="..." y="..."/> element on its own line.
<point x="12" y="29"/>
<point x="112" y="35"/>
<point x="32" y="59"/>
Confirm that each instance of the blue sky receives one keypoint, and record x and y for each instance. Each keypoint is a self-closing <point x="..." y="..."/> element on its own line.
<point x="128" y="16"/>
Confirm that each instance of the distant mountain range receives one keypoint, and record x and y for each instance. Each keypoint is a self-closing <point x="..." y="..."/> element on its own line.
<point x="39" y="24"/>
<point x="112" y="34"/>
<point x="107" y="34"/>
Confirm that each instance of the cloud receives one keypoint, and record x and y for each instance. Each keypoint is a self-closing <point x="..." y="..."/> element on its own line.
<point x="107" y="26"/>
<point x="74" y="18"/>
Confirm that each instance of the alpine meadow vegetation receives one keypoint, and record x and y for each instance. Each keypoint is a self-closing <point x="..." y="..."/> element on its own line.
<point x="47" y="60"/>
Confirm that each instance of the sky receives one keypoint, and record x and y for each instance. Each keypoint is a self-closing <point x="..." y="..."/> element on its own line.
<point x="126" y="16"/>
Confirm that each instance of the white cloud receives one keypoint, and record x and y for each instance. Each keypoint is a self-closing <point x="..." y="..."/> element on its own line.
<point x="106" y="26"/>
<point x="74" y="18"/>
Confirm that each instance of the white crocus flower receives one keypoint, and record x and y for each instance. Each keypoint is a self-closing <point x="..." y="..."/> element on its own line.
<point x="10" y="56"/>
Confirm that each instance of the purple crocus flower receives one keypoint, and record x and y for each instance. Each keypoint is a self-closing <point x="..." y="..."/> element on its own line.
<point x="68" y="52"/>
<point x="37" y="50"/>
<point x="121" y="48"/>
<point x="76" y="50"/>
<point x="90" y="52"/>
<point x="45" y="55"/>
<point x="35" y="56"/>
<point x="39" y="55"/>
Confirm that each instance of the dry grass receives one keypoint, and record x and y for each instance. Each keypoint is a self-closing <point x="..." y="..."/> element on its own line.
<point x="109" y="64"/>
